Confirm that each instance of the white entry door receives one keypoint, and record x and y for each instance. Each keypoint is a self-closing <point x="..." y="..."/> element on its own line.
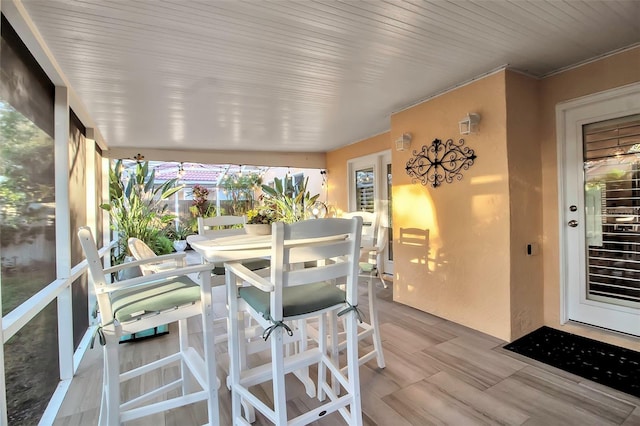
<point x="599" y="156"/>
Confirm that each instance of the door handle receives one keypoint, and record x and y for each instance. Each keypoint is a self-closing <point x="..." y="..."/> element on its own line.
<point x="573" y="223"/>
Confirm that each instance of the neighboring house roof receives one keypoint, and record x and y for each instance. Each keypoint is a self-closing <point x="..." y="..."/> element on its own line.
<point x="199" y="173"/>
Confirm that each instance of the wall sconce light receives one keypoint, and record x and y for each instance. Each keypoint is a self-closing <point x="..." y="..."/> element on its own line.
<point x="469" y="124"/>
<point x="323" y="174"/>
<point x="403" y="142"/>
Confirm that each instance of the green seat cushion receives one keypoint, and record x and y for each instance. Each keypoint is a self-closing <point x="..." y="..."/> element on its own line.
<point x="252" y="265"/>
<point x="367" y="267"/>
<point x="296" y="300"/>
<point x="130" y="304"/>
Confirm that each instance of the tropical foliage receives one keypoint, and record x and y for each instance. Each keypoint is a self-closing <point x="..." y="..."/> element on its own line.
<point x="26" y="179"/>
<point x="200" y="206"/>
<point x="138" y="208"/>
<point x="240" y="189"/>
<point x="287" y="201"/>
<point x="178" y="231"/>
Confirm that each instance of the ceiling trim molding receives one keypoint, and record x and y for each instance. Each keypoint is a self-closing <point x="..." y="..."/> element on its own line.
<point x="454" y="87"/>
<point x="364" y="139"/>
<point x="590" y="60"/>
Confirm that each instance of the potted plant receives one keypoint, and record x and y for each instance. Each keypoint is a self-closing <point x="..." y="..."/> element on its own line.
<point x="259" y="220"/>
<point x="288" y="203"/>
<point x="178" y="233"/>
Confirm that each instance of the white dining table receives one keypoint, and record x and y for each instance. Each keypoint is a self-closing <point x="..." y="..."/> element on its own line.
<point x="231" y="247"/>
<point x="241" y="246"/>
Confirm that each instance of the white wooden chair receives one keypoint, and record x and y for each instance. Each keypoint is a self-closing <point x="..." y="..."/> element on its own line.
<point x="141" y="251"/>
<point x="371" y="266"/>
<point x="373" y="244"/>
<point x="217" y="226"/>
<point x="133" y="305"/>
<point x="294" y="293"/>
<point x="370" y="223"/>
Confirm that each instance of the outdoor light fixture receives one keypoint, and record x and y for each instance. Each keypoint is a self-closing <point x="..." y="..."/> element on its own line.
<point x="181" y="171"/>
<point x="469" y="124"/>
<point x="323" y="174"/>
<point x="403" y="142"/>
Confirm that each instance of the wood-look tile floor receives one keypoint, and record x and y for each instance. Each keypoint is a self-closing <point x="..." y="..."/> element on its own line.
<point x="437" y="372"/>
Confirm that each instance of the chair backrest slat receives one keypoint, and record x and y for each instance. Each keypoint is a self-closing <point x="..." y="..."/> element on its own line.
<point x="313" y="251"/>
<point x="96" y="270"/>
<point x="140" y="251"/>
<point x="309" y="253"/>
<point x="315" y="274"/>
<point x="218" y="223"/>
<point x="370" y="222"/>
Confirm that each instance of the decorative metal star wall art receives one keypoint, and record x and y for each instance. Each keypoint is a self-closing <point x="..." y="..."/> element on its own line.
<point x="440" y="162"/>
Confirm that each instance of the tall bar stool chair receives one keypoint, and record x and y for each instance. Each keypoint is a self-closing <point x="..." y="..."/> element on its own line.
<point x="133" y="305"/>
<point x="371" y="266"/>
<point x="294" y="293"/>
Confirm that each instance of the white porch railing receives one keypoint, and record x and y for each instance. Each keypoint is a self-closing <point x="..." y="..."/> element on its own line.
<point x="15" y="320"/>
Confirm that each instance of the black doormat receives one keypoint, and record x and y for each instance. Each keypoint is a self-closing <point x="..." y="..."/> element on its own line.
<point x="610" y="365"/>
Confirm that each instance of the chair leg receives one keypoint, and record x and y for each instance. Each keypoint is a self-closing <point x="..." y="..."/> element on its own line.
<point x="112" y="380"/>
<point x="243" y="322"/>
<point x="188" y="381"/>
<point x="235" y="358"/>
<point x="209" y="351"/>
<point x="102" y="419"/>
<point x="335" y="353"/>
<point x="277" y="373"/>
<point x="303" y="373"/>
<point x="373" y="315"/>
<point x="384" y="283"/>
<point x="353" y="374"/>
<point x="322" y="344"/>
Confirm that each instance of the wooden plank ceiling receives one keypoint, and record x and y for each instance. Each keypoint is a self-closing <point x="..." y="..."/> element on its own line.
<point x="301" y="76"/>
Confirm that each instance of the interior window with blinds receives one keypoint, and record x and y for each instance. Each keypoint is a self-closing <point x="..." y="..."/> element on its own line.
<point x="364" y="190"/>
<point x="612" y="210"/>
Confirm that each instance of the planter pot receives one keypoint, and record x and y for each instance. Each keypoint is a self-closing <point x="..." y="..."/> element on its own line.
<point x="180" y="245"/>
<point x="257" y="228"/>
<point x="125" y="274"/>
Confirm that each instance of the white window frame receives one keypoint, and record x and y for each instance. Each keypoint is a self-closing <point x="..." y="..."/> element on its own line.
<point x="378" y="162"/>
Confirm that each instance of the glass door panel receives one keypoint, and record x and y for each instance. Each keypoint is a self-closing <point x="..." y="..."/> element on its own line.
<point x="612" y="210"/>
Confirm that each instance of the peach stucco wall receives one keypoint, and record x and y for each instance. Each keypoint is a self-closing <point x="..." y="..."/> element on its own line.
<point x="525" y="203"/>
<point x="463" y="273"/>
<point x="475" y="270"/>
<point x="607" y="73"/>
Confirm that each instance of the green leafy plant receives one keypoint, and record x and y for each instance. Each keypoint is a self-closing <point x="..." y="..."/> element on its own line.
<point x="261" y="215"/>
<point x="200" y="207"/>
<point x="177" y="232"/>
<point x="240" y="190"/>
<point x="286" y="201"/>
<point x="138" y="209"/>
<point x="27" y="190"/>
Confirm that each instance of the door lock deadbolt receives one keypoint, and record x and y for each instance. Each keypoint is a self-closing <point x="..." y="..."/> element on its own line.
<point x="573" y="208"/>
<point x="573" y="223"/>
